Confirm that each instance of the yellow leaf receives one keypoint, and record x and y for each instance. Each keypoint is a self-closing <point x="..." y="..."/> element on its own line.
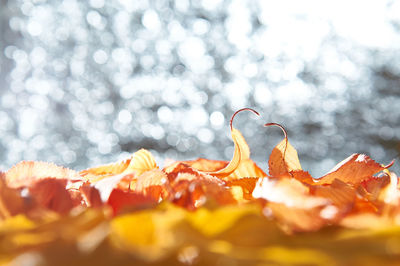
<point x="97" y="173"/>
<point x="141" y="161"/>
<point x="148" y="234"/>
<point x="213" y="222"/>
<point x="241" y="152"/>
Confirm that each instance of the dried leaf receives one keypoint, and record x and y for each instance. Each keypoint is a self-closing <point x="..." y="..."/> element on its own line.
<point x="141" y="162"/>
<point x="152" y="183"/>
<point x="241" y="152"/>
<point x="97" y="173"/>
<point x="11" y="203"/>
<point x="51" y="194"/>
<point x="90" y="196"/>
<point x="26" y="173"/>
<point x="339" y="193"/>
<point x="246" y="185"/>
<point x="291" y="203"/>
<point x="127" y="201"/>
<point x="283" y="159"/>
<point x="206" y="165"/>
<point x="246" y="168"/>
<point x="353" y="170"/>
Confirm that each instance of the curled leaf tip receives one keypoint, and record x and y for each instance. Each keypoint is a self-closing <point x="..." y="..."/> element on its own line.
<point x="389" y="165"/>
<point x="284" y="132"/>
<point x="278" y="125"/>
<point x="238" y="111"/>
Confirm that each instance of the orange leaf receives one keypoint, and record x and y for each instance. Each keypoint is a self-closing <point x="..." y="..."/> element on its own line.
<point x="339" y="193"/>
<point x="296" y="219"/>
<point x="247" y="185"/>
<point x="290" y="202"/>
<point x="11" y="202"/>
<point x="51" y="194"/>
<point x="283" y="159"/>
<point x="120" y="200"/>
<point x="153" y="183"/>
<point x="90" y="195"/>
<point x="205" y="165"/>
<point x="353" y="170"/>
<point x="25" y="173"/>
<point x="140" y="162"/>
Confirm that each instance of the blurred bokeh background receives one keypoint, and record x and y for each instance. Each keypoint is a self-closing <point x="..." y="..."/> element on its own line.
<point x="89" y="82"/>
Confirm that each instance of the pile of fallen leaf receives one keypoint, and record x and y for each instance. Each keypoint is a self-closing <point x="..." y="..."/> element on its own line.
<point x="201" y="212"/>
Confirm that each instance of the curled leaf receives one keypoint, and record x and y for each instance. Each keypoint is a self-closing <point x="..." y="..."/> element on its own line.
<point x="241" y="151"/>
<point x="284" y="158"/>
<point x="141" y="161"/>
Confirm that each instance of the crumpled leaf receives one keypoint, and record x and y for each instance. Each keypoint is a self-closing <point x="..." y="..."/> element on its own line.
<point x="25" y="173"/>
<point x="353" y="170"/>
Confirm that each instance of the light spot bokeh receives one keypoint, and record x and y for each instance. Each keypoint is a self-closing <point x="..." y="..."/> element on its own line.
<point x="89" y="82"/>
